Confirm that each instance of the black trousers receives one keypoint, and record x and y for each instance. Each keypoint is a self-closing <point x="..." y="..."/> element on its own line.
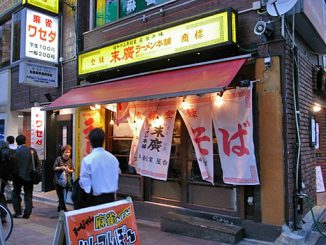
<point x="28" y="195"/>
<point x="60" y="193"/>
<point x="101" y="199"/>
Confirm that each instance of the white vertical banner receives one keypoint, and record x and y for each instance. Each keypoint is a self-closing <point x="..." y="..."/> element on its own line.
<point x="155" y="139"/>
<point x="320" y="187"/>
<point x="38" y="131"/>
<point x="196" y="113"/>
<point x="234" y="130"/>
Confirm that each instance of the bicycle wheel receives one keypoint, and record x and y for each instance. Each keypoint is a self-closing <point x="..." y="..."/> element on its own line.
<point x="6" y="222"/>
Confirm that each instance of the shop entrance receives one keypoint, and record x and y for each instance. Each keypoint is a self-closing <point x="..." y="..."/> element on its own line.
<point x="184" y="186"/>
<point x="64" y="130"/>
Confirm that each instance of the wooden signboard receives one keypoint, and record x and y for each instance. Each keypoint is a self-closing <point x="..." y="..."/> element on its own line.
<point x="106" y="224"/>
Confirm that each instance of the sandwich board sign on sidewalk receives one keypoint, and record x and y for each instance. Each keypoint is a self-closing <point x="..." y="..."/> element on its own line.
<point x="106" y="224"/>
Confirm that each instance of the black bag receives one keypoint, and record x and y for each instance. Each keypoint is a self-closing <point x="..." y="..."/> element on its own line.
<point x="7" y="163"/>
<point x="36" y="174"/>
<point x="80" y="198"/>
<point x="36" y="177"/>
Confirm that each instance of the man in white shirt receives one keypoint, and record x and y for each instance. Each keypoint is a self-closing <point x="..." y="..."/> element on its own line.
<point x="99" y="173"/>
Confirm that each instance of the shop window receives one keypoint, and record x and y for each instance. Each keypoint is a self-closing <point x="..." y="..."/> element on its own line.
<point x="121" y="143"/>
<point x="107" y="11"/>
<point x="5" y="43"/>
<point x="16" y="36"/>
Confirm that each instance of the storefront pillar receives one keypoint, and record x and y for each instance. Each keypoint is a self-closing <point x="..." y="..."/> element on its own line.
<point x="271" y="150"/>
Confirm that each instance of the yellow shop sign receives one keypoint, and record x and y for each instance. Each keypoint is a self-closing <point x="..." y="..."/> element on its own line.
<point x="217" y="29"/>
<point x="50" y="5"/>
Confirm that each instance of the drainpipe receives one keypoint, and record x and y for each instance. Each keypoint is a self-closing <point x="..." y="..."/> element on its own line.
<point x="298" y="175"/>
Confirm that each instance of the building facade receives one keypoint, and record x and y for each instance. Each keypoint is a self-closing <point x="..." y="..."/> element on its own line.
<point x="34" y="64"/>
<point x="127" y="60"/>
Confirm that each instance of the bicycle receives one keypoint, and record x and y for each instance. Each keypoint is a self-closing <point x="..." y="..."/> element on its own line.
<point x="7" y="226"/>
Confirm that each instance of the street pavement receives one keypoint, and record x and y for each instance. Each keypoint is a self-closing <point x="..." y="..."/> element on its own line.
<point x="40" y="228"/>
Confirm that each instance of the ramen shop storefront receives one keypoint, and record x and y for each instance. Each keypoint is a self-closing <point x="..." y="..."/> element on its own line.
<point x="183" y="135"/>
<point x="162" y="127"/>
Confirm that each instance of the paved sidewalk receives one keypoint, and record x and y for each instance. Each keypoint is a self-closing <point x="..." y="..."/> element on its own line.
<point x="40" y="228"/>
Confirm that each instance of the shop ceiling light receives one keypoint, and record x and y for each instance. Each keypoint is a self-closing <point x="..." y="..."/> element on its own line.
<point x="185" y="104"/>
<point x="95" y="107"/>
<point x="316" y="107"/>
<point x="112" y="118"/>
<point x="219" y="98"/>
<point x="111" y="107"/>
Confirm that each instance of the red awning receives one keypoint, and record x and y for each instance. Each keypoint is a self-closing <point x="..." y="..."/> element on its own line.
<point x="193" y="80"/>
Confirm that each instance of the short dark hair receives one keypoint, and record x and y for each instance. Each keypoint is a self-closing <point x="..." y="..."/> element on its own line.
<point x="11" y="139"/>
<point x="96" y="137"/>
<point x="21" y="139"/>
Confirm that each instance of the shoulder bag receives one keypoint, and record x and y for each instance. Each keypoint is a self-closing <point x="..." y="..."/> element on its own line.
<point x="35" y="174"/>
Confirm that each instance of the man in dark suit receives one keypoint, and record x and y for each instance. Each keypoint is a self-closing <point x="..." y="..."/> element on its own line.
<point x="24" y="165"/>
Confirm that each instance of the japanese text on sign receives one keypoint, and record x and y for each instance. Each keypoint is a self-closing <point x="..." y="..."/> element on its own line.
<point x="107" y="224"/>
<point x="37" y="130"/>
<point x="200" y="33"/>
<point x="41" y="36"/>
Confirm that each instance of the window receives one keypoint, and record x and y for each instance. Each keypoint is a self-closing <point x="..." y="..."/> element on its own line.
<point x="16" y="36"/>
<point x="5" y="43"/>
<point x="110" y="10"/>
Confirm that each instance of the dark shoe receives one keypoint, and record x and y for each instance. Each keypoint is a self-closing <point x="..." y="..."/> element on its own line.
<point x="16" y="215"/>
<point x="26" y="216"/>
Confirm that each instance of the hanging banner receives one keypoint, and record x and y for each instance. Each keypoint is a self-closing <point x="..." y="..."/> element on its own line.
<point x="196" y="113"/>
<point x="234" y="131"/>
<point x="110" y="223"/>
<point x="155" y="139"/>
<point x="137" y="114"/>
<point x="38" y="131"/>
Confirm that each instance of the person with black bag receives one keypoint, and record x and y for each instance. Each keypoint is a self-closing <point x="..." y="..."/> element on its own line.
<point x="63" y="169"/>
<point x="26" y="159"/>
<point x="99" y="174"/>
